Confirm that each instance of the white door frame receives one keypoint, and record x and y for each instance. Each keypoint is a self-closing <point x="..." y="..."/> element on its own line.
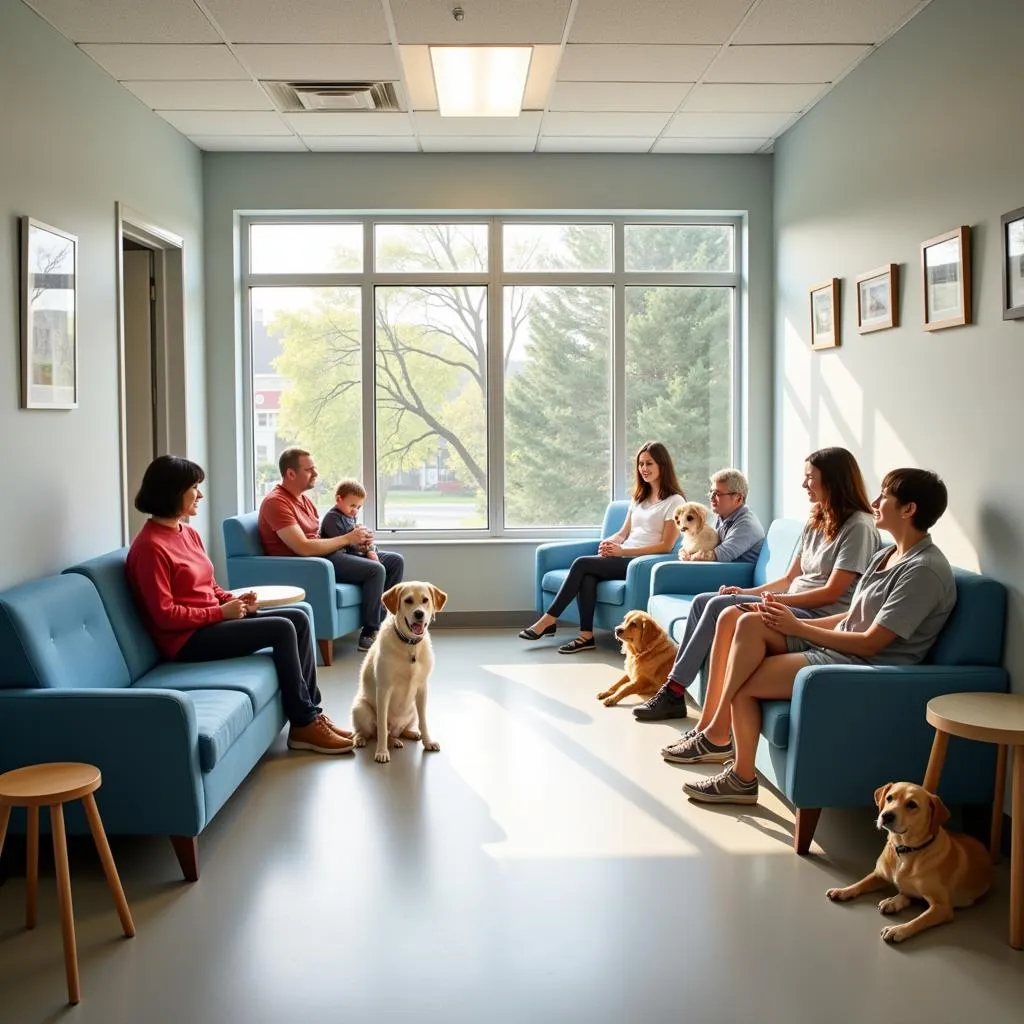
<point x="169" y="368"/>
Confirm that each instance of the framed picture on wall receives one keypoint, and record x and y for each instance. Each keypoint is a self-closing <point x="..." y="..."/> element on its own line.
<point x="49" y="342"/>
<point x="825" y="314"/>
<point x="946" y="272"/>
<point x="1013" y="264"/>
<point x="877" y="299"/>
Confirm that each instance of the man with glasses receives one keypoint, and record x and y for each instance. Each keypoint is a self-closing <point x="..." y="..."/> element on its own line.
<point x="740" y="537"/>
<point x="290" y="525"/>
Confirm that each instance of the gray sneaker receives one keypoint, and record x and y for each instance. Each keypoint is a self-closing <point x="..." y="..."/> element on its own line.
<point x="664" y="704"/>
<point x="727" y="788"/>
<point x="697" y="749"/>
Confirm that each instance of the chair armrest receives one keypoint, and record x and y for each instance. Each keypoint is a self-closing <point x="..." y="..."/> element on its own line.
<point x="855" y="727"/>
<point x="315" y="576"/>
<point x="145" y="743"/>
<point x="557" y="555"/>
<point x="686" y="578"/>
<point x="638" y="578"/>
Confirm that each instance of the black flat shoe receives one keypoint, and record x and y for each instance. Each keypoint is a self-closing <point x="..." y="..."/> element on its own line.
<point x="531" y="634"/>
<point x="577" y="645"/>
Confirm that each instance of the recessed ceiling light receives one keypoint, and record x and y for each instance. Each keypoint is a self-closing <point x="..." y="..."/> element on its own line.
<point x="480" y="81"/>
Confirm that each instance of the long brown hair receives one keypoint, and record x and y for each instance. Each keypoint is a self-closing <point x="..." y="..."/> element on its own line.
<point x="843" y="484"/>
<point x="668" y="482"/>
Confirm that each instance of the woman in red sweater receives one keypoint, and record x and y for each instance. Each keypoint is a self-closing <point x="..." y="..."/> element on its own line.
<point x="192" y="619"/>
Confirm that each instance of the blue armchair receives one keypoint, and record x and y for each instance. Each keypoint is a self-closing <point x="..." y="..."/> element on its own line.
<point x="336" y="606"/>
<point x="614" y="597"/>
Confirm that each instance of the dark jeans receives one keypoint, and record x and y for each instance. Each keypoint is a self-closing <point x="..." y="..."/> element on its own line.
<point x="374" y="577"/>
<point x="584" y="575"/>
<point x="287" y="632"/>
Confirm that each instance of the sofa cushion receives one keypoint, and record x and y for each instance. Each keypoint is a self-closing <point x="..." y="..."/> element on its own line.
<point x="254" y="676"/>
<point x="221" y="717"/>
<point x="108" y="576"/>
<point x="608" y="591"/>
<point x="778" y="549"/>
<point x="670" y="611"/>
<point x="973" y="634"/>
<point x="242" y="535"/>
<point x="348" y="594"/>
<point x="55" y="634"/>
<point x="775" y="722"/>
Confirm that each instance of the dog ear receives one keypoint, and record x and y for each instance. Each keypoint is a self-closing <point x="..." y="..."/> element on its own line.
<point x="940" y="813"/>
<point x="882" y="792"/>
<point x="438" y="597"/>
<point x="391" y="597"/>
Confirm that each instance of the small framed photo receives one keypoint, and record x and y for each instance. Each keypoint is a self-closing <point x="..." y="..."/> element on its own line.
<point x="49" y="342"/>
<point x="825" y="314"/>
<point x="878" y="299"/>
<point x="1013" y="264"/>
<point x="946" y="271"/>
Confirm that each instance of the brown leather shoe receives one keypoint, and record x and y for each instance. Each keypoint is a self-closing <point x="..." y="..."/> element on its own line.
<point x="319" y="737"/>
<point x="334" y="727"/>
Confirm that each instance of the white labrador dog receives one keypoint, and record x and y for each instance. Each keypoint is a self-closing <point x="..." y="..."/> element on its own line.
<point x="393" y="679"/>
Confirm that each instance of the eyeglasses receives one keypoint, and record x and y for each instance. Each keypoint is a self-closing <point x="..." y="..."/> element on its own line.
<point x="721" y="494"/>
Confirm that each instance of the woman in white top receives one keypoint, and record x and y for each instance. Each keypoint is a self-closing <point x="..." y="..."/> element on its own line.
<point x="649" y="529"/>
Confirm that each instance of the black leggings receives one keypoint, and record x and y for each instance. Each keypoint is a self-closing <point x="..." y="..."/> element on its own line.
<point x="286" y="631"/>
<point x="584" y="575"/>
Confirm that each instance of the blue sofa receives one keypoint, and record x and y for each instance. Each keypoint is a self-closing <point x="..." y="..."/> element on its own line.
<point x="81" y="680"/>
<point x="849" y="729"/>
<point x="336" y="606"/>
<point x="614" y="597"/>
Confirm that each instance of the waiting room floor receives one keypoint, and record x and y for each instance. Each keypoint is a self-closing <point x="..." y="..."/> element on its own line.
<point x="543" y="867"/>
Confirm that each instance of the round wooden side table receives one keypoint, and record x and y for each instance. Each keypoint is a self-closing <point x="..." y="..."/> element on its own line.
<point x="272" y="596"/>
<point x="992" y="718"/>
<point x="54" y="785"/>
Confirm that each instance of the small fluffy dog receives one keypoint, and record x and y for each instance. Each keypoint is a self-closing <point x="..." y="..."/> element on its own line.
<point x="393" y="679"/>
<point x="649" y="652"/>
<point x="699" y="539"/>
<point x="922" y="860"/>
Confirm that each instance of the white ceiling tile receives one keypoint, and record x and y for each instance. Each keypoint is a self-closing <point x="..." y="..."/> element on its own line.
<point x="784" y="63"/>
<point x="419" y="77"/>
<point x="621" y="125"/>
<point x="543" y="66"/>
<point x="581" y="144"/>
<point x="709" y="145"/>
<point x="812" y="21"/>
<point x="201" y="95"/>
<point x="689" y="124"/>
<point x="361" y="143"/>
<point x="501" y="22"/>
<point x="476" y="144"/>
<point x="128" y="21"/>
<point x="249" y="143"/>
<point x="618" y="95"/>
<point x="656" y="21"/>
<point x="585" y="63"/>
<point x="297" y="62"/>
<point x="355" y="122"/>
<point x="225" y="122"/>
<point x="751" y="97"/>
<point x="430" y="123"/>
<point x="300" y="21"/>
<point x="135" y="61"/>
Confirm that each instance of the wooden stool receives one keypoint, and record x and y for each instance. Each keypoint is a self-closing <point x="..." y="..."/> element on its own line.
<point x="54" y="785"/>
<point x="992" y="718"/>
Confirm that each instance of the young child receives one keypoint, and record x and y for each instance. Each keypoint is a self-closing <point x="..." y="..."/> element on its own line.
<point x="349" y="496"/>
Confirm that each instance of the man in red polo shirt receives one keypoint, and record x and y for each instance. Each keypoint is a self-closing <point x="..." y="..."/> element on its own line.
<point x="290" y="525"/>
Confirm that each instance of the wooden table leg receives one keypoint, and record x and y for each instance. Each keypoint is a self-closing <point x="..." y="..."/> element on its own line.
<point x="31" y="865"/>
<point x="996" y="840"/>
<point x="1017" y="852"/>
<point x="107" y="859"/>
<point x="5" y="817"/>
<point x="67" y="914"/>
<point x="936" y="761"/>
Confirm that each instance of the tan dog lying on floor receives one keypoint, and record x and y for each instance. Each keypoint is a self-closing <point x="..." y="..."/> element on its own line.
<point x="393" y="679"/>
<point x="650" y="654"/>
<point x="922" y="860"/>
<point x="699" y="539"/>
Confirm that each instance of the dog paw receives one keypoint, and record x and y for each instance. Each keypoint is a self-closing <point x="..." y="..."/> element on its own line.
<point x="397" y="743"/>
<point x="382" y="757"/>
<point x="894" y="934"/>
<point x="893" y="904"/>
<point x="836" y="895"/>
<point x="610" y="702"/>
<point x="603" y="694"/>
<point x="359" y="740"/>
<point x="411" y="734"/>
<point x="431" y="745"/>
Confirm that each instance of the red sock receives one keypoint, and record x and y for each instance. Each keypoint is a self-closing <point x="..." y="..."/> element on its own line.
<point x="677" y="689"/>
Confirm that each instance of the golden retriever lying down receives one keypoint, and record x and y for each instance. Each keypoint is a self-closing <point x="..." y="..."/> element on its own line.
<point x="650" y="654"/>
<point x="393" y="679"/>
<point x="922" y="860"/>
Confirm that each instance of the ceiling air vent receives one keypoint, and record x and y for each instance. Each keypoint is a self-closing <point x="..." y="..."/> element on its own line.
<point x="291" y="97"/>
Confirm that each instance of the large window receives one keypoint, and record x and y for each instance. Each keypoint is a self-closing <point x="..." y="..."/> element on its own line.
<point x="485" y="376"/>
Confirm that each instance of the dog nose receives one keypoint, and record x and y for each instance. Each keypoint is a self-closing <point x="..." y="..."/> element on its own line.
<point x="418" y="614"/>
<point x="888" y="817"/>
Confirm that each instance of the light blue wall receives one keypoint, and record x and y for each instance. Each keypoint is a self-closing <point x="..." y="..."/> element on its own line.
<point x="75" y="143"/>
<point x="926" y="135"/>
<point x="318" y="182"/>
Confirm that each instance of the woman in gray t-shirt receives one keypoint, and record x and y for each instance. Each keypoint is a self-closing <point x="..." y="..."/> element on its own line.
<point x="901" y="604"/>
